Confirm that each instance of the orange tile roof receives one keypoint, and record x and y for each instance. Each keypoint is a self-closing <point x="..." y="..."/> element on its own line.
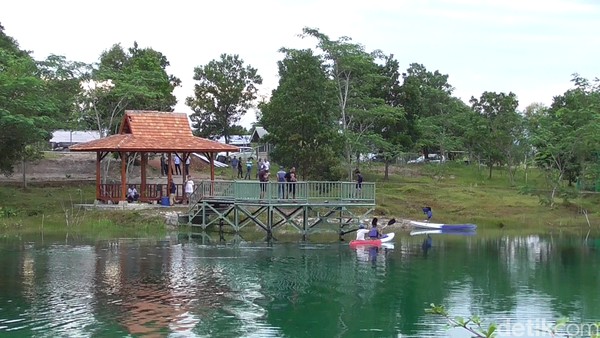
<point x="152" y="131"/>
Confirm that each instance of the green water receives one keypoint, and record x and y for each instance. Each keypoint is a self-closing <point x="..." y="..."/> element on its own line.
<point x="179" y="287"/>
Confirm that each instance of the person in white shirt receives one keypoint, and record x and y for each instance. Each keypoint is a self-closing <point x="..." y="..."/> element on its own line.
<point x="361" y="232"/>
<point x="132" y="194"/>
<point x="189" y="188"/>
<point x="267" y="164"/>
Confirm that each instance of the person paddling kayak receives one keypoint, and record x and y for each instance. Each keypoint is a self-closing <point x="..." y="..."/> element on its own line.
<point x="374" y="232"/>
<point x="361" y="232"/>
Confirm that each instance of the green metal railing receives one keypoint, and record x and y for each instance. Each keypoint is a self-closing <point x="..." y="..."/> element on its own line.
<point x="273" y="192"/>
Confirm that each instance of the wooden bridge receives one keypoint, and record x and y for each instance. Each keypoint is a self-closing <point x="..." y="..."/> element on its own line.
<point x="270" y="205"/>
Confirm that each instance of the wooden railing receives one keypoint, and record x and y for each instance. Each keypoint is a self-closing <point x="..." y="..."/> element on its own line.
<point x="307" y="191"/>
<point x="152" y="192"/>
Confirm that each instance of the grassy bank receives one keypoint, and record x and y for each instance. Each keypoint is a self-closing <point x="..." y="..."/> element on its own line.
<point x="49" y="208"/>
<point x="457" y="193"/>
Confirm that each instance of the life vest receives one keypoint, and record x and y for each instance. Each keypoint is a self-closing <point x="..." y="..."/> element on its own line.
<point x="374" y="233"/>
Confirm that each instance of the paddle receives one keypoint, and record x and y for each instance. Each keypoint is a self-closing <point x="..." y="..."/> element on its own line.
<point x="390" y="222"/>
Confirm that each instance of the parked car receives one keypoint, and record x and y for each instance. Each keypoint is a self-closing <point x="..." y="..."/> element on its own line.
<point x="431" y="158"/>
<point x="244" y="152"/>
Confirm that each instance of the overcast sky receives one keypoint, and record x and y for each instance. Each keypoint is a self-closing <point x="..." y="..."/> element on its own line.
<point x="529" y="47"/>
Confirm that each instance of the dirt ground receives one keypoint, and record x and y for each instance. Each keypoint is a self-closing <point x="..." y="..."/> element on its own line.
<point x="75" y="166"/>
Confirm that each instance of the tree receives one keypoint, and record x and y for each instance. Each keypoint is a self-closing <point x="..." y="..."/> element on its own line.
<point x="427" y="98"/>
<point x="390" y="128"/>
<point x="136" y="79"/>
<point x="356" y="77"/>
<point x="300" y="116"/>
<point x="566" y="135"/>
<point x="26" y="112"/>
<point x="63" y="79"/>
<point x="225" y="91"/>
<point x="504" y="127"/>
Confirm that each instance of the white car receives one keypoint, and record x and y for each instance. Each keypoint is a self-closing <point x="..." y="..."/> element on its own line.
<point x="244" y="153"/>
<point x="431" y="158"/>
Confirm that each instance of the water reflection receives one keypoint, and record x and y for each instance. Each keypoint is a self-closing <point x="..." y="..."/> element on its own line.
<point x="185" y="288"/>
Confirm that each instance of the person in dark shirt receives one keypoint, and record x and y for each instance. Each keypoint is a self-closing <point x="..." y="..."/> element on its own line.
<point x="374" y="232"/>
<point x="359" y="182"/>
<point x="427" y="211"/>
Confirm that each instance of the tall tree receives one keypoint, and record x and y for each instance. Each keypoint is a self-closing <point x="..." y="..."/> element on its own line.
<point x="391" y="135"/>
<point x="27" y="114"/>
<point x="300" y="116"/>
<point x="225" y="91"/>
<point x="356" y="77"/>
<point x="132" y="79"/>
<point x="63" y="79"/>
<point x="427" y="98"/>
<point x="566" y="136"/>
<point x="504" y="126"/>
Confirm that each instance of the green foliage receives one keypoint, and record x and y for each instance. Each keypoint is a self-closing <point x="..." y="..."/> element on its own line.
<point x="300" y="117"/>
<point x="502" y="131"/>
<point x="63" y="79"/>
<point x="358" y="81"/>
<point x="225" y="91"/>
<point x="25" y="108"/>
<point x="134" y="79"/>
<point x="565" y="135"/>
<point x="472" y="324"/>
<point x="8" y="212"/>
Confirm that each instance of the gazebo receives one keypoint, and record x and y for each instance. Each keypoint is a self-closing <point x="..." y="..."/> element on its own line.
<point x="147" y="132"/>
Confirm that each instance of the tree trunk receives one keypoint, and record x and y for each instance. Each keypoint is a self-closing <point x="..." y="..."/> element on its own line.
<point x="387" y="167"/>
<point x="24" y="166"/>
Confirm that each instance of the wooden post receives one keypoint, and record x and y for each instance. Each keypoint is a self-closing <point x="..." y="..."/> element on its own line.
<point x="212" y="166"/>
<point x="143" y="174"/>
<point x="123" y="176"/>
<point x="98" y="170"/>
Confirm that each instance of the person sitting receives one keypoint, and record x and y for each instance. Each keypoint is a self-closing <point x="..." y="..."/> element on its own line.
<point x="132" y="194"/>
<point x="361" y="232"/>
<point x="374" y="232"/>
<point x="427" y="211"/>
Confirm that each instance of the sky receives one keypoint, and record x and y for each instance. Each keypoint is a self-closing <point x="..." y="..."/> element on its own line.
<point x="529" y="47"/>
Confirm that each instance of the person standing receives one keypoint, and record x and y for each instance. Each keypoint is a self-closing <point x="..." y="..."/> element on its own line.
<point x="259" y="167"/>
<point x="281" y="185"/>
<point x="359" y="182"/>
<point x="172" y="193"/>
<point x="234" y="166"/>
<point x="248" y="168"/>
<point x="189" y="188"/>
<point x="163" y="165"/>
<point x="177" y="165"/>
<point x="263" y="177"/>
<point x="188" y="161"/>
<point x="291" y="178"/>
<point x="240" y="173"/>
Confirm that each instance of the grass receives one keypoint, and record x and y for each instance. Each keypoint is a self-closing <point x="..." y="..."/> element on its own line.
<point x="50" y="209"/>
<point x="456" y="192"/>
<point x="464" y="194"/>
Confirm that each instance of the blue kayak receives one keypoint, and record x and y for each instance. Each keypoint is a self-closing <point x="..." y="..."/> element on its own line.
<point x="442" y="226"/>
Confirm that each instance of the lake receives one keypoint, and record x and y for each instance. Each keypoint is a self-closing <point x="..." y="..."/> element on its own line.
<point x="180" y="287"/>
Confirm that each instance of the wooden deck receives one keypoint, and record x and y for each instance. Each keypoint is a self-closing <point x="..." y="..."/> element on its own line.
<point x="301" y="205"/>
<point x="308" y="192"/>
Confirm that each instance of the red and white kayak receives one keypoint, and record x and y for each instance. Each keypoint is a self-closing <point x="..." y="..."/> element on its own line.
<point x="377" y="242"/>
